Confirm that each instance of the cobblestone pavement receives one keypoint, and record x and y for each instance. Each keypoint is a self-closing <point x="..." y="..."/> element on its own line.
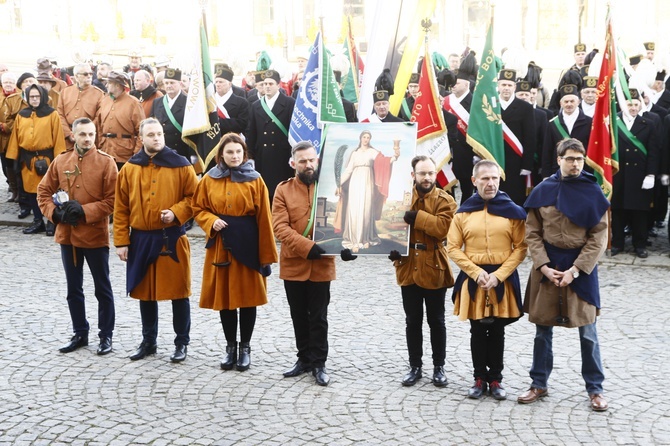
<point x="82" y="399"/>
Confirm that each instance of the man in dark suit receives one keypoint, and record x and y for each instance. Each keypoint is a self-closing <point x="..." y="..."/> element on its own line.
<point x="258" y="91"/>
<point x="233" y="110"/>
<point x="519" y="134"/>
<point x="522" y="92"/>
<point x="571" y="122"/>
<point x="169" y="111"/>
<point x="267" y="133"/>
<point x="381" y="106"/>
<point x="589" y="94"/>
<point x="407" y="104"/>
<point x="633" y="189"/>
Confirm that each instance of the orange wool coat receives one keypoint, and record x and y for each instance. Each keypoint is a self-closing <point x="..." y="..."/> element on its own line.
<point x="141" y="193"/>
<point x="75" y="103"/>
<point x="93" y="188"/>
<point x="9" y="107"/>
<point x="120" y="116"/>
<point x="34" y="134"/>
<point x="236" y="285"/>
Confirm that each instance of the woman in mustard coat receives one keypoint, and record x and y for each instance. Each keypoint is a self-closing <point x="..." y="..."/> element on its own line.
<point x="231" y="205"/>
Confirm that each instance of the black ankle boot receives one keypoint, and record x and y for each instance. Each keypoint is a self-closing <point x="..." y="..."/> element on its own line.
<point x="231" y="357"/>
<point x="37" y="226"/>
<point x="244" y="357"/>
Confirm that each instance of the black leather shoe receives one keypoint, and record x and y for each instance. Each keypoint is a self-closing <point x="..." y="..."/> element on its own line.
<point x="24" y="213"/>
<point x="475" y="392"/>
<point x="439" y="378"/>
<point x="652" y="232"/>
<point x="37" y="226"/>
<point x="614" y="251"/>
<point x="50" y="228"/>
<point x="497" y="390"/>
<point x="298" y="369"/>
<point x="179" y="353"/>
<point x="412" y="377"/>
<point x="231" y="357"/>
<point x="76" y="342"/>
<point x="321" y="376"/>
<point x="143" y="350"/>
<point x="641" y="253"/>
<point x="105" y="346"/>
<point x="243" y="357"/>
<point x="660" y="224"/>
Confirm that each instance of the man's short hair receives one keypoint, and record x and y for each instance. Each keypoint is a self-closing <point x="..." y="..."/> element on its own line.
<point x="80" y="67"/>
<point x="148" y="121"/>
<point x="570" y="144"/>
<point x="417" y="159"/>
<point x="79" y="121"/>
<point x="145" y="73"/>
<point x="8" y="75"/>
<point x="302" y="145"/>
<point x="484" y="163"/>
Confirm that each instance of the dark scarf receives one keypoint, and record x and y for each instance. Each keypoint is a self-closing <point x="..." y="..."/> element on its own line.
<point x="241" y="174"/>
<point x="500" y="205"/>
<point x="43" y="108"/>
<point x="579" y="198"/>
<point x="165" y="158"/>
<point x="144" y="94"/>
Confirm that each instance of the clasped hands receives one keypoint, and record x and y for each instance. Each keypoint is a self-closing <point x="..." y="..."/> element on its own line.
<point x="487" y="281"/>
<point x="558" y="278"/>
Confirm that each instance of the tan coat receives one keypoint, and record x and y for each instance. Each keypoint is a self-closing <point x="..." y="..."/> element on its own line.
<point x="9" y="107"/>
<point x="236" y="285"/>
<point x="141" y="193"/>
<point x="480" y="238"/>
<point x="291" y="208"/>
<point x="75" y="103"/>
<point x="541" y="302"/>
<point x="93" y="188"/>
<point x="428" y="268"/>
<point x="121" y="117"/>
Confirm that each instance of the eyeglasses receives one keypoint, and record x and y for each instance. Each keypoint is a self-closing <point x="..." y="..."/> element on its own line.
<point x="34" y="97"/>
<point x="572" y="159"/>
<point x="85" y="74"/>
<point x="426" y="174"/>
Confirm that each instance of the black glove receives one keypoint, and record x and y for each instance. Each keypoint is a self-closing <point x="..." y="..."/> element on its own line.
<point x="315" y="252"/>
<point x="410" y="217"/>
<point x="58" y="215"/>
<point x="346" y="255"/>
<point x="73" y="212"/>
<point x="394" y="255"/>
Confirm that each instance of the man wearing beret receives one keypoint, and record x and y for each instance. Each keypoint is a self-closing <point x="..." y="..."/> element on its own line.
<point x="523" y="92"/>
<point x="118" y="120"/>
<point x="258" y="91"/>
<point x="267" y="133"/>
<point x="233" y="110"/>
<point x="81" y="100"/>
<point x="407" y="104"/>
<point x="589" y="95"/>
<point x="381" y="106"/>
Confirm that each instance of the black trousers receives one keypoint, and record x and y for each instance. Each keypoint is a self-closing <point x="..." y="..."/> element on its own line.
<point x="638" y="226"/>
<point x="487" y="345"/>
<point x="309" y="312"/>
<point x="229" y="323"/>
<point x="98" y="262"/>
<point x="413" y="298"/>
<point x="181" y="320"/>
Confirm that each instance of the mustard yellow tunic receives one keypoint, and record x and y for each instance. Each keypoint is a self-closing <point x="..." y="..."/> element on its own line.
<point x="236" y="285"/>
<point x="480" y="238"/>
<point x="141" y="194"/>
<point x="35" y="134"/>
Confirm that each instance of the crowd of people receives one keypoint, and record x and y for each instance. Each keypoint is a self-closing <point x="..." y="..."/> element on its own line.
<point x="109" y="146"/>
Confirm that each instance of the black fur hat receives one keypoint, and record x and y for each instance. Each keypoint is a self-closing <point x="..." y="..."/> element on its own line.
<point x="385" y="81"/>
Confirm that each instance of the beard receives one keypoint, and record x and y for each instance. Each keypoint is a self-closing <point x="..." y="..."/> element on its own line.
<point x="424" y="189"/>
<point x="309" y="177"/>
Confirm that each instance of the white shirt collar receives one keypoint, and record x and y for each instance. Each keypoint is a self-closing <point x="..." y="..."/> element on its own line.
<point x="220" y="100"/>
<point x="271" y="102"/>
<point x="588" y="109"/>
<point x="569" y="120"/>
<point x="505" y="104"/>
<point x="172" y="101"/>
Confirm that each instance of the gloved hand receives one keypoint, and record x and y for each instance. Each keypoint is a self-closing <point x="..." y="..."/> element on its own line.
<point x="315" y="252"/>
<point x="648" y="182"/>
<point x="524" y="172"/>
<point x="58" y="215"/>
<point x="410" y="217"/>
<point x="394" y="255"/>
<point x="665" y="180"/>
<point x="73" y="212"/>
<point x="346" y="255"/>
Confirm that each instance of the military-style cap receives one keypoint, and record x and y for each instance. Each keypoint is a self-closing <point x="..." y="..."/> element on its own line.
<point x="173" y="73"/>
<point x="660" y="76"/>
<point x="380" y="95"/>
<point x="258" y="75"/>
<point x="580" y="48"/>
<point x="584" y="71"/>
<point x="272" y="74"/>
<point x="46" y="77"/>
<point x="119" y="77"/>
<point x="523" y="86"/>
<point x="507" y="75"/>
<point x="634" y="60"/>
<point x="223" y="71"/>
<point x="649" y="46"/>
<point x="635" y="94"/>
<point x="568" y="89"/>
<point x="590" y="82"/>
<point x="414" y="78"/>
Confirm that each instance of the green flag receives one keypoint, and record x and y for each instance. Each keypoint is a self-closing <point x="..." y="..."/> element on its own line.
<point x="350" y="80"/>
<point x="485" y="133"/>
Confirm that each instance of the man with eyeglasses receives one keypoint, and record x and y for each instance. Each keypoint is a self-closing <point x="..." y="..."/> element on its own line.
<point x="566" y="232"/>
<point x="425" y="274"/>
<point x="81" y="100"/>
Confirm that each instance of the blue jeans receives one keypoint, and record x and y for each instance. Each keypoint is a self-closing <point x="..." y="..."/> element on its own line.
<point x="543" y="358"/>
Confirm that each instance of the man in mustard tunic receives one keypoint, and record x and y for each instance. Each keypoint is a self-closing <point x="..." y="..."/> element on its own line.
<point x="486" y="241"/>
<point x="153" y="200"/>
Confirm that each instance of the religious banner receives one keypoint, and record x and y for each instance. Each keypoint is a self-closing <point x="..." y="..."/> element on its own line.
<point x="365" y="188"/>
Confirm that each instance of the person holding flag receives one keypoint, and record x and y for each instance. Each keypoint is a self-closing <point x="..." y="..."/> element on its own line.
<point x="233" y="110"/>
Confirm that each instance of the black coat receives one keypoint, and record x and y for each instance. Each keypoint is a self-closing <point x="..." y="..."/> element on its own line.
<point x="520" y="118"/>
<point x="172" y="135"/>
<point x="267" y="144"/>
<point x="392" y="118"/>
<point x="410" y="105"/>
<point x="239" y="91"/>
<point x="664" y="100"/>
<point x="252" y="95"/>
<point x="541" y="123"/>
<point x="349" y="110"/>
<point x="461" y="151"/>
<point x="634" y="165"/>
<point x="581" y="131"/>
<point x="238" y="110"/>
